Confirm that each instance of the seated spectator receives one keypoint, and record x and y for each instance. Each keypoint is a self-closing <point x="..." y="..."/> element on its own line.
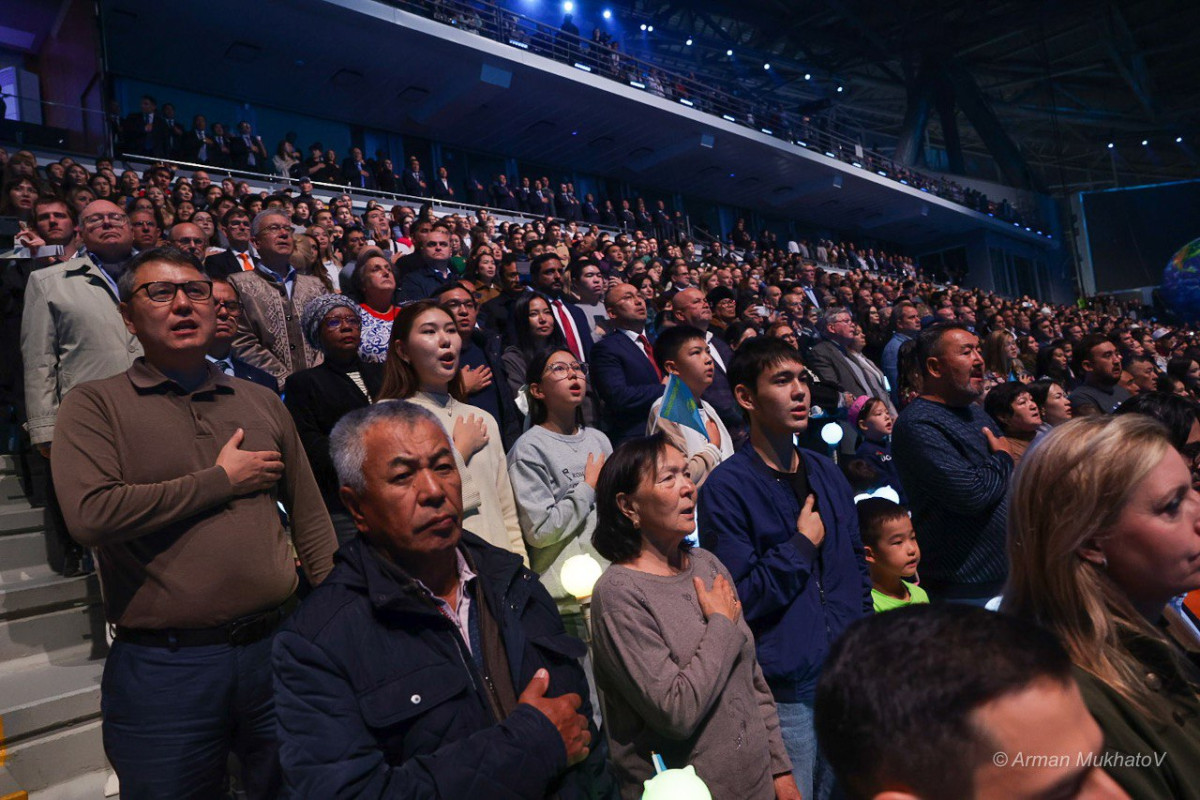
<point x="1139" y="374"/>
<point x="422" y="367"/>
<point x="892" y="553"/>
<point x="974" y="685"/>
<point x="674" y="682"/>
<point x="373" y="285"/>
<point x="320" y="396"/>
<point x="870" y="418"/>
<point x="1103" y="537"/>
<point x="955" y="467"/>
<point x="683" y="352"/>
<point x="1013" y="408"/>
<point x="782" y="520"/>
<point x="1099" y="362"/>
<point x="554" y="467"/>
<point x="420" y="615"/>
<point x="1051" y="400"/>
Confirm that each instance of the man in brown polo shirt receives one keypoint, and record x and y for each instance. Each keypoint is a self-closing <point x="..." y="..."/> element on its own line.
<point x="172" y="471"/>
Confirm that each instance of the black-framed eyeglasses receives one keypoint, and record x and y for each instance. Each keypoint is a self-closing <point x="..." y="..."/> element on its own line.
<point x="232" y="306"/>
<point x="561" y="370"/>
<point x="165" y="291"/>
<point x="454" y="305"/>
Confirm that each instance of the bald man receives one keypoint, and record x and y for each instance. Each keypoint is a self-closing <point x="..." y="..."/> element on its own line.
<point x="190" y="239"/>
<point x="624" y="371"/>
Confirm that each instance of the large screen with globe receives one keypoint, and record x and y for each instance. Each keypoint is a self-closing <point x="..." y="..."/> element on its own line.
<point x="1133" y="233"/>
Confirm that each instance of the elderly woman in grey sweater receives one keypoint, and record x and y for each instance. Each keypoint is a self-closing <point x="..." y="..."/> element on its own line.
<point x="674" y="660"/>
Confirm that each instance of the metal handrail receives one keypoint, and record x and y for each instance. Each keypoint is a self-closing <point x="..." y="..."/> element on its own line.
<point x="486" y="18"/>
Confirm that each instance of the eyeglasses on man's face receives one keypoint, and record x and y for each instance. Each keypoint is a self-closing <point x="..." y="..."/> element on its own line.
<point x="231" y="306"/>
<point x="96" y="220"/>
<point x="165" y="291"/>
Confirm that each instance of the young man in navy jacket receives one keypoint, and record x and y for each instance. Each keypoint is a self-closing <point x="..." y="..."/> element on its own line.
<point x="782" y="520"/>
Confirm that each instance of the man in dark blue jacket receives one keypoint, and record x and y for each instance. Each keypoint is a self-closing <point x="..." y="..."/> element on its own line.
<point x="782" y="520"/>
<point x="624" y="371"/>
<point x="430" y="663"/>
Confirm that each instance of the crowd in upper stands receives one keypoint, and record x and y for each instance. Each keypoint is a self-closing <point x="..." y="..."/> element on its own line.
<point x="471" y="409"/>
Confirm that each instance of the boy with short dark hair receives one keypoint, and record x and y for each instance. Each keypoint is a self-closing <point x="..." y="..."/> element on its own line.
<point x="892" y="553"/>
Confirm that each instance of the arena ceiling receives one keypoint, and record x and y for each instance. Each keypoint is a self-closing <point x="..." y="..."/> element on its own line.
<point x="1061" y="79"/>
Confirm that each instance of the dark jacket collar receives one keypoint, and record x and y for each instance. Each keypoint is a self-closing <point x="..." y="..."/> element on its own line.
<point x="391" y="591"/>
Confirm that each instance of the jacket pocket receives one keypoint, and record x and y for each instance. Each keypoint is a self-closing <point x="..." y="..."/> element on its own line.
<point x="560" y="647"/>
<point x="409" y="696"/>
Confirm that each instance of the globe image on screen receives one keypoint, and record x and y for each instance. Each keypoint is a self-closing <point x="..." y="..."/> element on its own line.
<point x="1181" y="282"/>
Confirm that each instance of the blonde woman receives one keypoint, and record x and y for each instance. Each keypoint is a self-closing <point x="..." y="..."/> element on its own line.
<point x="1002" y="360"/>
<point x="1104" y="531"/>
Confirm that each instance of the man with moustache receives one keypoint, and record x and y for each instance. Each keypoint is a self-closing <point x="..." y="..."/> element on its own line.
<point x="954" y="463"/>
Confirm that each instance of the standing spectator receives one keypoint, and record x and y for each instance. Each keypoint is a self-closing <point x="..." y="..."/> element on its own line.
<point x="269" y="335"/>
<point x="145" y="132"/>
<point x="907" y="320"/>
<point x="546" y="276"/>
<point x="481" y="359"/>
<point x="228" y="307"/>
<point x="240" y="256"/>
<point x="690" y="308"/>
<point x="1012" y="407"/>
<point x="871" y="420"/>
<point x="955" y="465"/>
<point x="532" y="330"/>
<point x="414" y="180"/>
<point x="1099" y="362"/>
<point x="625" y="372"/>
<point x="422" y="367"/>
<point x="682" y="684"/>
<point x="1102" y="542"/>
<point x="975" y="686"/>
<point x="247" y="151"/>
<point x="373" y="285"/>
<point x="782" y="520"/>
<point x="554" y="468"/>
<point x="418" y="603"/>
<point x="320" y="396"/>
<point x="442" y="190"/>
<point x="355" y="172"/>
<point x="196" y="565"/>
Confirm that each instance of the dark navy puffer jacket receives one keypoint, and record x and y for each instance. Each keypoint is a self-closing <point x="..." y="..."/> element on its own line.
<point x="377" y="698"/>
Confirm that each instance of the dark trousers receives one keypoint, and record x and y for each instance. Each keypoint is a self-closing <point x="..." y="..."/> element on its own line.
<point x="171" y="718"/>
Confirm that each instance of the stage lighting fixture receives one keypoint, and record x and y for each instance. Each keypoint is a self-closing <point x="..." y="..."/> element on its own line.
<point x="1178" y="140"/>
<point x="650" y="28"/>
<point x="766" y="66"/>
<point x="1145" y="142"/>
<point x="607" y="14"/>
<point x="689" y="42"/>
<point x="728" y="52"/>
<point x="808" y="76"/>
<point x="568" y="6"/>
<point x="841" y="89"/>
<point x="643" y="26"/>
<point x="1111" y="145"/>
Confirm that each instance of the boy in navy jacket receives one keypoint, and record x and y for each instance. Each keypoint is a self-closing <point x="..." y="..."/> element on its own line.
<point x="783" y="522"/>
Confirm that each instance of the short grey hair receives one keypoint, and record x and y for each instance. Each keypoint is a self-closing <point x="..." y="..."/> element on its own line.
<point x="346" y="442"/>
<point x="260" y="219"/>
<point x="829" y="316"/>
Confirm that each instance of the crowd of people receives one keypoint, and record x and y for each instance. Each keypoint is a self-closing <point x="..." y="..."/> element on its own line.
<point x="793" y="481"/>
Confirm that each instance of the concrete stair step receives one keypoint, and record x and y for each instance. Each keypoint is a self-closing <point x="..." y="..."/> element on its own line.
<point x="72" y="634"/>
<point x="39" y="765"/>
<point x="10" y="489"/>
<point x="42" y="699"/>
<point x="22" y="556"/>
<point x="9" y="790"/>
<point x="19" y="516"/>
<point x="8" y="463"/>
<point x="45" y="590"/>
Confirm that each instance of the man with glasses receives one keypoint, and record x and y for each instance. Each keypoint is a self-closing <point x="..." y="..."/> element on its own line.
<point x="435" y="269"/>
<point x="235" y="225"/>
<point x="228" y="308"/>
<point x="272" y="294"/>
<point x="173" y="472"/>
<point x="190" y="239"/>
